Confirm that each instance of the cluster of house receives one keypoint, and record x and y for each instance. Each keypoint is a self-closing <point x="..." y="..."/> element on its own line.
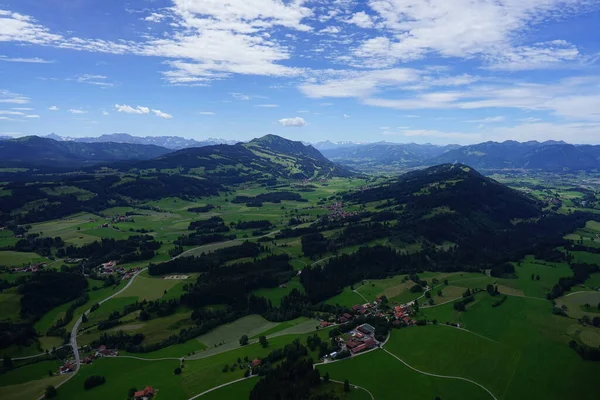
<point x="336" y="210"/>
<point x="402" y="315"/>
<point x="361" y="339"/>
<point x="145" y="394"/>
<point x="121" y="218"/>
<point x="30" y="268"/>
<point x="103" y="351"/>
<point x="109" y="268"/>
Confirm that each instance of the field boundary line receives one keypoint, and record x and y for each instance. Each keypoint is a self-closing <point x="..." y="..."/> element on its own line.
<point x="149" y="359"/>
<point x="221" y="386"/>
<point x="356" y="387"/>
<point x="439" y="376"/>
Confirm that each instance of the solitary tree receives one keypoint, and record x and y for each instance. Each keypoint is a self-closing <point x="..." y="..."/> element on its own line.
<point x="84" y="318"/>
<point x="263" y="341"/>
<point x="446" y="282"/>
<point x="346" y="386"/>
<point x="427" y="294"/>
<point x="131" y="393"/>
<point x="440" y="294"/>
<point x="532" y="277"/>
<point x="326" y="377"/>
<point x="50" y="392"/>
<point x="7" y="362"/>
<point x="244" y="340"/>
<point x="537" y="278"/>
<point x="177" y="371"/>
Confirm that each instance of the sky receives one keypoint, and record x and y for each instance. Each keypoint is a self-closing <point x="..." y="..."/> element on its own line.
<point x="435" y="71"/>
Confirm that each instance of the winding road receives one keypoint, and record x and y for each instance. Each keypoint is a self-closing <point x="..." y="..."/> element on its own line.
<point x="73" y="342"/>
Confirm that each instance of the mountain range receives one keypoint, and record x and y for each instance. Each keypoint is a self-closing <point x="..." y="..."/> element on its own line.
<point x="169" y="142"/>
<point x="37" y="151"/>
<point x="532" y="155"/>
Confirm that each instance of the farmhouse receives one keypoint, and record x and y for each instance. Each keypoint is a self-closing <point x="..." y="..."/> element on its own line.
<point x="66" y="368"/>
<point x="145" y="394"/>
<point x="103" y="351"/>
<point x="366" y="329"/>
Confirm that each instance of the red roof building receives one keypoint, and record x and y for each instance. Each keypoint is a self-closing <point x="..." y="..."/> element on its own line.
<point x="255" y="363"/>
<point x="147" y="393"/>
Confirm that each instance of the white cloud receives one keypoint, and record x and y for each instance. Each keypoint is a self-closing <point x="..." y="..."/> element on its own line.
<point x="10" y="97"/>
<point x="6" y="112"/>
<point x="303" y="111"/>
<point x="206" y="113"/>
<point x="293" y="122"/>
<point x="571" y="98"/>
<point x="410" y="30"/>
<point x="161" y="114"/>
<point x="131" y="110"/>
<point x="267" y="105"/>
<point x="155" y="17"/>
<point x="22" y="108"/>
<point x="53" y="108"/>
<point x="488" y="120"/>
<point x="331" y="29"/>
<point x="358" y="83"/>
<point x="361" y="19"/>
<point x="77" y="111"/>
<point x="537" y="56"/>
<point x="97" y="80"/>
<point x="105" y="113"/>
<point x="33" y="60"/>
<point x="346" y="115"/>
<point x="32" y="116"/>
<point x="140" y="110"/>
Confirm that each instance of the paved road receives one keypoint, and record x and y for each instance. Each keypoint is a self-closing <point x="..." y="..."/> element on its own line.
<point x="73" y="342"/>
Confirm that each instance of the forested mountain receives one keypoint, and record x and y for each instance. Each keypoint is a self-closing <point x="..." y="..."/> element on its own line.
<point x="547" y="156"/>
<point x="451" y="202"/>
<point x="169" y="142"/>
<point x="260" y="159"/>
<point x="34" y="150"/>
<point x="383" y="155"/>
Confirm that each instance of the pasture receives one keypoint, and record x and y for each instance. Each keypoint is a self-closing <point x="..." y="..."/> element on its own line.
<point x="11" y="258"/>
<point x="250" y="325"/>
<point x="276" y="294"/>
<point x="576" y="302"/>
<point x="28" y="390"/>
<point x="388" y="379"/>
<point x="147" y="288"/>
<point x="533" y="339"/>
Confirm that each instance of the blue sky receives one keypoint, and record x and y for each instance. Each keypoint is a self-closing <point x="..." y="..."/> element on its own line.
<point x="438" y="71"/>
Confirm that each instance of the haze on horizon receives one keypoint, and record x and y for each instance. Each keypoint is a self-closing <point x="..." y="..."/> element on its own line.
<point x="445" y="71"/>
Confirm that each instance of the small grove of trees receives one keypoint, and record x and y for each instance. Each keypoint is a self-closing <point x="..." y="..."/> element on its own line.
<point x="93" y="381"/>
<point x="244" y="340"/>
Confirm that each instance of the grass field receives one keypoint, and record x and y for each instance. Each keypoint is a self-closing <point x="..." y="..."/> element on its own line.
<point x="576" y="301"/>
<point x="276" y="294"/>
<point x="198" y="375"/>
<point x="250" y="325"/>
<point x="347" y="298"/>
<point x="525" y="328"/>
<point x="29" y="390"/>
<point x="10" y="304"/>
<point x="28" y="373"/>
<point x="18" y="259"/>
<point x="146" y="288"/>
<point x="388" y="379"/>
